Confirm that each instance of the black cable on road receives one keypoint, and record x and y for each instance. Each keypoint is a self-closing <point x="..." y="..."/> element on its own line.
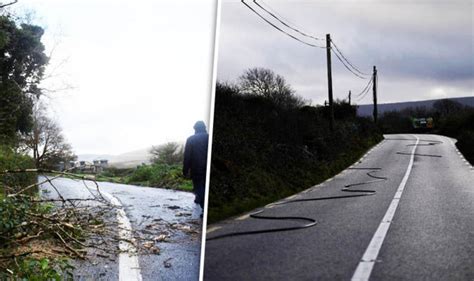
<point x="419" y="154"/>
<point x="310" y="221"/>
<point x="372" y="170"/>
<point x="429" y="143"/>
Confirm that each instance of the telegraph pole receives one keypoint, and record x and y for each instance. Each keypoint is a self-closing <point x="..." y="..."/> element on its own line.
<point x="331" y="108"/>
<point x="374" y="90"/>
<point x="349" y="97"/>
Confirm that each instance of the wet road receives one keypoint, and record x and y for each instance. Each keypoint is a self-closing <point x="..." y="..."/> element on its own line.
<point x="151" y="212"/>
<point x="418" y="225"/>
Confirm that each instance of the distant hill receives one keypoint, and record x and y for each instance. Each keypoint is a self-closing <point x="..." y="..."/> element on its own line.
<point x="92" y="157"/>
<point x="125" y="160"/>
<point x="366" y="109"/>
<point x="131" y="159"/>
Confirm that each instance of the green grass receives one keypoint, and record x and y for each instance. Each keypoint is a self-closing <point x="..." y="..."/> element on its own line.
<point x="187" y="186"/>
<point x="155" y="175"/>
<point x="160" y="175"/>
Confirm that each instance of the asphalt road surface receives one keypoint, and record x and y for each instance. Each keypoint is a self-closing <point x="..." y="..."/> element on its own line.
<point x="418" y="225"/>
<point x="148" y="211"/>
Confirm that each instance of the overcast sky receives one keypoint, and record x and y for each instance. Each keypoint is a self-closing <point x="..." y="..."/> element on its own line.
<point x="141" y="70"/>
<point x="422" y="49"/>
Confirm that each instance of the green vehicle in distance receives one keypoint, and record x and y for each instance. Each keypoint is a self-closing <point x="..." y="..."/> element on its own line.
<point x="422" y="123"/>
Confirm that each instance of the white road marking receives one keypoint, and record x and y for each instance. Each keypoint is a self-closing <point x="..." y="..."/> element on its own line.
<point x="292" y="196"/>
<point x="242" y="217"/>
<point x="213" y="228"/>
<point x="129" y="268"/>
<point x="364" y="269"/>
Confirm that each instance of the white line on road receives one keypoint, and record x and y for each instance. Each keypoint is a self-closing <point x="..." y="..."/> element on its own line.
<point x="243" y="217"/>
<point x="212" y="228"/>
<point x="364" y="269"/>
<point x="129" y="268"/>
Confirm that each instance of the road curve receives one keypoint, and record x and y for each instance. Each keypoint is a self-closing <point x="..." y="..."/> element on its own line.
<point x="418" y="225"/>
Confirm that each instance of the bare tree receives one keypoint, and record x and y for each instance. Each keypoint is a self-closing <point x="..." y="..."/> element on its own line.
<point x="264" y="82"/>
<point x="46" y="142"/>
<point x="170" y="153"/>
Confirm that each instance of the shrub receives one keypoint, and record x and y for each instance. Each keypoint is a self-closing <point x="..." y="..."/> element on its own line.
<point x="263" y="151"/>
<point x="170" y="153"/>
<point x="160" y="175"/>
<point x="9" y="160"/>
<point x="466" y="145"/>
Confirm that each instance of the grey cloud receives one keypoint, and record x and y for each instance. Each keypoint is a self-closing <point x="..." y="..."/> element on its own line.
<point x="427" y="44"/>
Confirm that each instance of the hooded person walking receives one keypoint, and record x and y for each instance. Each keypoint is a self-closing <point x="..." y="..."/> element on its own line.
<point x="195" y="160"/>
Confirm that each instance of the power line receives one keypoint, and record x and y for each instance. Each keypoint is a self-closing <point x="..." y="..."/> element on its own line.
<point x="365" y="88"/>
<point x="362" y="97"/>
<point x="377" y="83"/>
<point x="279" y="14"/>
<point x="342" y="55"/>
<point x="279" y="29"/>
<point x="285" y="24"/>
<point x="365" y="92"/>
<point x="345" y="65"/>
<point x="310" y="36"/>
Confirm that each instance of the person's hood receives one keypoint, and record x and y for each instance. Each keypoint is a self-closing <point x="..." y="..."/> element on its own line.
<point x="200" y="127"/>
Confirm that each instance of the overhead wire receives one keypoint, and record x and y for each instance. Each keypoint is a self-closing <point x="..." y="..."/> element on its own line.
<point x="339" y="55"/>
<point x="348" y="62"/>
<point x="376" y="83"/>
<point x="286" y="24"/>
<point x="362" y="97"/>
<point x="279" y="29"/>
<point x="365" y="88"/>
<point x="364" y="92"/>
<point x="279" y="14"/>
<point x="347" y="67"/>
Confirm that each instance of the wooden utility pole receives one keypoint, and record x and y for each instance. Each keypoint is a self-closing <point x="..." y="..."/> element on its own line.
<point x="374" y="90"/>
<point x="349" y="97"/>
<point x="331" y="107"/>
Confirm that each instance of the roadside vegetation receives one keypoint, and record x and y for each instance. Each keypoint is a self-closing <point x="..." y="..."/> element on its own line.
<point x="450" y="118"/>
<point x="30" y="248"/>
<point x="166" y="170"/>
<point x="268" y="143"/>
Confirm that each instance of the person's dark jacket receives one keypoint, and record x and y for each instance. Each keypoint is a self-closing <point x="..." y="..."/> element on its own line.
<point x="195" y="155"/>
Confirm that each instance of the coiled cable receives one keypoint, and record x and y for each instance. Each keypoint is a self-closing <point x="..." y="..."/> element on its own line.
<point x="309" y="221"/>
